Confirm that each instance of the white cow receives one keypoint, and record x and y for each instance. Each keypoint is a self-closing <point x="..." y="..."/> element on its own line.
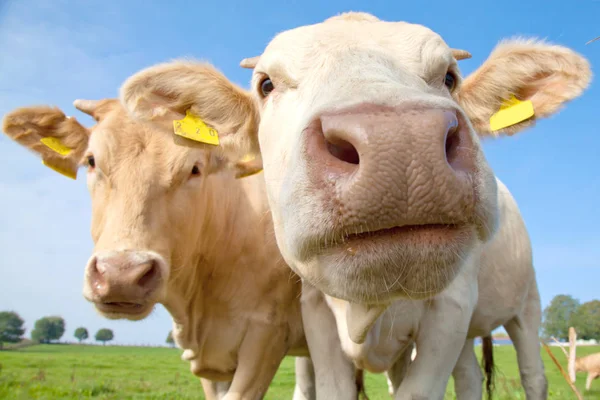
<point x="376" y="180"/>
<point x="508" y="296"/>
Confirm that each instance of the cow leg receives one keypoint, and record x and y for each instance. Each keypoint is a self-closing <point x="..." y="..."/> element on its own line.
<point x="305" y="379"/>
<point x="396" y="374"/>
<point x="259" y="357"/>
<point x="334" y="372"/>
<point x="588" y="382"/>
<point x="441" y="337"/>
<point x="467" y="374"/>
<point x="523" y="331"/>
<point x="214" y="390"/>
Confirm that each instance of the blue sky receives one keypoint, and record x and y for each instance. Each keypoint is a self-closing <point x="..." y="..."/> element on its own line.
<point x="55" y="51"/>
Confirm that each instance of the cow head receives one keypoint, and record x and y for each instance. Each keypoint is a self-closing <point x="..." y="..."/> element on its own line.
<point x="370" y="144"/>
<point x="151" y="204"/>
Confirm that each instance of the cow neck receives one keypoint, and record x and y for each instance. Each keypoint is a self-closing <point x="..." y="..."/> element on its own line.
<point x="233" y="248"/>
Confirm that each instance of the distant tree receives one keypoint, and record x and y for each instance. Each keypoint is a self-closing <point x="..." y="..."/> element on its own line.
<point x="47" y="329"/>
<point x="559" y="315"/>
<point x="81" y="334"/>
<point x="170" y="339"/>
<point x="11" y="327"/>
<point x="587" y="320"/>
<point x="104" y="335"/>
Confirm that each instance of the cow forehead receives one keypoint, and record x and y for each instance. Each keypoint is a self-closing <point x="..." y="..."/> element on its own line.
<point x="305" y="47"/>
<point x="118" y="141"/>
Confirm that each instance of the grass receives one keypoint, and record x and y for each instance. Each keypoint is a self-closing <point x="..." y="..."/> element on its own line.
<point x="112" y="372"/>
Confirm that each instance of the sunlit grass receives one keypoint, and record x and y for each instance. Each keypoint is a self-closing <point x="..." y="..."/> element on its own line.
<point x="112" y="372"/>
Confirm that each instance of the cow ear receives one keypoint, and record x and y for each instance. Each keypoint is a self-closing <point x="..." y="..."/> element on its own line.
<point x="194" y="101"/>
<point x="97" y="109"/>
<point x="59" y="140"/>
<point x="521" y="82"/>
<point x="247" y="166"/>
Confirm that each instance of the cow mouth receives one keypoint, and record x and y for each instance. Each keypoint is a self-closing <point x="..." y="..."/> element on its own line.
<point x="122" y="308"/>
<point x="376" y="266"/>
<point x="437" y="237"/>
<point x="405" y="230"/>
<point x="409" y="234"/>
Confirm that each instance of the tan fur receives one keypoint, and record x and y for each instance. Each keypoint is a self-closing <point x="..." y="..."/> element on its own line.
<point x="589" y="363"/>
<point x="154" y="95"/>
<point x="234" y="302"/>
<point x="530" y="69"/>
<point x="27" y="126"/>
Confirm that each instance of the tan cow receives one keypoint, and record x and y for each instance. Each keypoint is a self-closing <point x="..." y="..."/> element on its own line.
<point x="589" y="363"/>
<point x="172" y="225"/>
<point x="375" y="176"/>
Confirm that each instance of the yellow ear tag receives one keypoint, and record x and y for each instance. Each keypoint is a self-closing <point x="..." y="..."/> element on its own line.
<point x="511" y="112"/>
<point x="56" y="145"/>
<point x="248" y="172"/>
<point x="193" y="128"/>
<point x="64" y="172"/>
<point x="247" y="157"/>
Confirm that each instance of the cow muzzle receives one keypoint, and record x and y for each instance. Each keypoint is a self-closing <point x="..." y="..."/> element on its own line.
<point x="125" y="284"/>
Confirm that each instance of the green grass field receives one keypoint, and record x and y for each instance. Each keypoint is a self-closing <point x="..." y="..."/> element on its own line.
<point x="112" y="372"/>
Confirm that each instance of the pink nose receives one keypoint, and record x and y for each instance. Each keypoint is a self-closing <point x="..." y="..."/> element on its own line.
<point x="413" y="159"/>
<point x="123" y="278"/>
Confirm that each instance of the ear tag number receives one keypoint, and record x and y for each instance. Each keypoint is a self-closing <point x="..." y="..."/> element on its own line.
<point x="193" y="128"/>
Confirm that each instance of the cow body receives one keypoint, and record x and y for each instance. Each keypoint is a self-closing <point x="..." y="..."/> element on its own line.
<point x="172" y="224"/>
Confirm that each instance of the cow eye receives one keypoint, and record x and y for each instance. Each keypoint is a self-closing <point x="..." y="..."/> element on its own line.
<point x="91" y="161"/>
<point x="195" y="170"/>
<point x="266" y="86"/>
<point x="450" y="81"/>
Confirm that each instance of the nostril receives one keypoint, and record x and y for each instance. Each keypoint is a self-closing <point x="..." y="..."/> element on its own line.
<point x="343" y="150"/>
<point x="452" y="140"/>
<point x="150" y="276"/>
<point x="452" y="145"/>
<point x="95" y="270"/>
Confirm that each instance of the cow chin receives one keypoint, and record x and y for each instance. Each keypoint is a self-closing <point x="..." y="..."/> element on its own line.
<point x="410" y="263"/>
<point x="132" y="311"/>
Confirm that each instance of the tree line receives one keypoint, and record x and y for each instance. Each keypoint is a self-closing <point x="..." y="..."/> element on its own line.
<point x="49" y="329"/>
<point x="565" y="311"/>
<point x="46" y="330"/>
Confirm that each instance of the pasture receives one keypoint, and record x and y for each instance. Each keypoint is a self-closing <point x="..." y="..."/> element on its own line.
<point x="114" y="372"/>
